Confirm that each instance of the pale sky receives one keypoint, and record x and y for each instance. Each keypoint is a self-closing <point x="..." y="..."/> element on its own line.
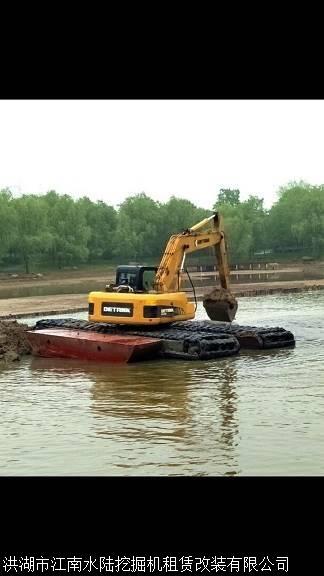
<point x="111" y="149"/>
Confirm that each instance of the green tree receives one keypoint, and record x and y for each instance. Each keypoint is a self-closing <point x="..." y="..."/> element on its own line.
<point x="254" y="213"/>
<point x="101" y="220"/>
<point x="296" y="220"/>
<point x="8" y="229"/>
<point x="69" y="233"/>
<point x="244" y="223"/>
<point x="139" y="226"/>
<point x="178" y="215"/>
<point x="32" y="236"/>
<point x="228" y="196"/>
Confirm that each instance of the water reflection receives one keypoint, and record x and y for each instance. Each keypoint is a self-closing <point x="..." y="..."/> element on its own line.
<point x="228" y="407"/>
<point x="219" y="401"/>
<point x="272" y="356"/>
<point x="187" y="410"/>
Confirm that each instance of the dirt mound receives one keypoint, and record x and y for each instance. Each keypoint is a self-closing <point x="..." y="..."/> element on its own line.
<point x="13" y="340"/>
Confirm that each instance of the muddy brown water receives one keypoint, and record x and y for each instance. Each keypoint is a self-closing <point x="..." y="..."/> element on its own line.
<point x="259" y="413"/>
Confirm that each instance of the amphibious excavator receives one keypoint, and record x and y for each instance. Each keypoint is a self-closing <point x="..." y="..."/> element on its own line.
<point x="148" y="295"/>
<point x="139" y="317"/>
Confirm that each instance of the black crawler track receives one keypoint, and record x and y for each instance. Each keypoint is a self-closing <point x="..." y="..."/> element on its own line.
<point x="192" y="340"/>
<point x="248" y="336"/>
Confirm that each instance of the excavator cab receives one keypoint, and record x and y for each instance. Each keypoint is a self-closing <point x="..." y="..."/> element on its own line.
<point x="137" y="278"/>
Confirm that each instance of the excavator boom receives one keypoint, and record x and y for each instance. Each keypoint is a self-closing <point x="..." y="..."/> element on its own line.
<point x="219" y="304"/>
<point x="168" y="276"/>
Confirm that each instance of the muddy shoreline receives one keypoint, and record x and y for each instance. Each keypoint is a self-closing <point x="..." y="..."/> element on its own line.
<point x="13" y="341"/>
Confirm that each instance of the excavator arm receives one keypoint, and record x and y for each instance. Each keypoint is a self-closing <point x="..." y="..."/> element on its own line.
<point x="195" y="238"/>
<point x="168" y="276"/>
<point x="220" y="303"/>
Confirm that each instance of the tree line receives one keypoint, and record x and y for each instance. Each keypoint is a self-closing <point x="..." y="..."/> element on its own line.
<point x="58" y="230"/>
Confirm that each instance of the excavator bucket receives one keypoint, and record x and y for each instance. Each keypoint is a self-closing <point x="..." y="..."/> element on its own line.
<point x="220" y="305"/>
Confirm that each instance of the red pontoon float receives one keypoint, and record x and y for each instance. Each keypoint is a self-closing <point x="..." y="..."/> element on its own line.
<point x="60" y="343"/>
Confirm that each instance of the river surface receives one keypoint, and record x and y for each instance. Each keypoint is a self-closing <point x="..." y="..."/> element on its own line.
<point x="258" y="413"/>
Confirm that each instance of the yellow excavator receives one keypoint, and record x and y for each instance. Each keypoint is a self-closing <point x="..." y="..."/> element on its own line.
<point x="148" y="295"/>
